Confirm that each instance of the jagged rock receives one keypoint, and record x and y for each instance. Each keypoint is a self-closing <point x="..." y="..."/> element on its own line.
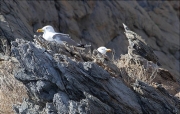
<point x="28" y="107"/>
<point x="58" y="83"/>
<point x="159" y="104"/>
<point x="88" y="105"/>
<point x="99" y="23"/>
<point x="65" y="75"/>
<point x="139" y="48"/>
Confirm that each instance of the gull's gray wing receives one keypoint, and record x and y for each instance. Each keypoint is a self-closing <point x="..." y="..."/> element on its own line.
<point x="64" y="38"/>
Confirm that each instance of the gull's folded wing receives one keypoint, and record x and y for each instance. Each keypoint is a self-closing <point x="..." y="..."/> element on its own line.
<point x="61" y="38"/>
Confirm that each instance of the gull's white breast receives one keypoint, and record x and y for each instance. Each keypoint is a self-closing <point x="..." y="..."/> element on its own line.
<point x="49" y="36"/>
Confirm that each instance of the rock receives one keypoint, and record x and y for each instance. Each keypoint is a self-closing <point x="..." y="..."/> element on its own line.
<point x="163" y="106"/>
<point x="62" y="75"/>
<point x="11" y="90"/>
<point x="77" y="86"/>
<point x="138" y="47"/>
<point x="98" y="23"/>
<point x="28" y="107"/>
<point x="88" y="105"/>
<point x="177" y="55"/>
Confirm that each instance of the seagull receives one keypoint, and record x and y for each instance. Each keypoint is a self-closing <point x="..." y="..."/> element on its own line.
<point x="140" y="47"/>
<point x="103" y="50"/>
<point x="50" y="35"/>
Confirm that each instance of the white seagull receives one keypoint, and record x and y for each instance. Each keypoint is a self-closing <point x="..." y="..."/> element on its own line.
<point x="103" y="50"/>
<point x="50" y="35"/>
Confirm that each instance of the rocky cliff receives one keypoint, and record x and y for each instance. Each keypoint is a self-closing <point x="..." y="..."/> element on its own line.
<point x="58" y="79"/>
<point x="100" y="23"/>
<point x="61" y="79"/>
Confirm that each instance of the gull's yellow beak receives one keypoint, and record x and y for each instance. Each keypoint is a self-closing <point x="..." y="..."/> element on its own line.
<point x="108" y="50"/>
<point x="40" y="30"/>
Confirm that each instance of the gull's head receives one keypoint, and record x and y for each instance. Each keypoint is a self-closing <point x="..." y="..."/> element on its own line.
<point x="103" y="50"/>
<point x="47" y="28"/>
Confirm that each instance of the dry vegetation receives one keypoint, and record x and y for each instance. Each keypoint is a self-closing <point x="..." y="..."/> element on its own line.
<point x="11" y="90"/>
<point x="147" y="72"/>
<point x="141" y="69"/>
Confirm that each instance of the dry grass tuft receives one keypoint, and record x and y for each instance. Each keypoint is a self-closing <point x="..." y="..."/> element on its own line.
<point x="11" y="90"/>
<point x="132" y="69"/>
